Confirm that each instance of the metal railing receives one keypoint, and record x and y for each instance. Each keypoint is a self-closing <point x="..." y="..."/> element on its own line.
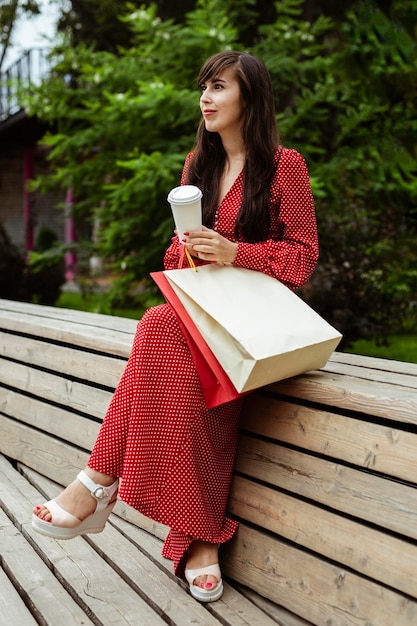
<point x="30" y="69"/>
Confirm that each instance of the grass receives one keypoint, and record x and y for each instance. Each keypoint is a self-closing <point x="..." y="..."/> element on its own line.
<point x="97" y="303"/>
<point x="399" y="348"/>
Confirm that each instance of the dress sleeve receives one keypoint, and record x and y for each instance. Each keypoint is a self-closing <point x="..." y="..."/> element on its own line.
<point x="291" y="255"/>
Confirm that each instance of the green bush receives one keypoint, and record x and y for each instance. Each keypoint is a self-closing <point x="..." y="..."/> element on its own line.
<point x="46" y="268"/>
<point x="346" y="84"/>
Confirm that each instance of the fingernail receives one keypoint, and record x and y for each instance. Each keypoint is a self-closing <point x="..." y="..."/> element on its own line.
<point x="184" y="240"/>
<point x="208" y="585"/>
<point x="186" y="234"/>
<point x="37" y="508"/>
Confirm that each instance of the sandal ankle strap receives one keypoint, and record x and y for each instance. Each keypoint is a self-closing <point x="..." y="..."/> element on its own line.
<point x="98" y="492"/>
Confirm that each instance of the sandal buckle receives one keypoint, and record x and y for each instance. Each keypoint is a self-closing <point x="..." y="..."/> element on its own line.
<point x="99" y="493"/>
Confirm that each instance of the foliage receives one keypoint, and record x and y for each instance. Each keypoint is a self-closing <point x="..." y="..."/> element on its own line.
<point x="46" y="269"/>
<point x="38" y="279"/>
<point x="95" y="23"/>
<point x="346" y="85"/>
<point x="121" y="128"/>
<point x="348" y="96"/>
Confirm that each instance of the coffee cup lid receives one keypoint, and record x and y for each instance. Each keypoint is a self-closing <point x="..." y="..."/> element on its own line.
<point x="184" y="194"/>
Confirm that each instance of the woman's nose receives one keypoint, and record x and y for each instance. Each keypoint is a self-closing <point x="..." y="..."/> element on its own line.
<point x="204" y="96"/>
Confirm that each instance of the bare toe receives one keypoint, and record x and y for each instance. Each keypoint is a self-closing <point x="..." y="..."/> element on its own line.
<point x="206" y="582"/>
<point x="42" y="512"/>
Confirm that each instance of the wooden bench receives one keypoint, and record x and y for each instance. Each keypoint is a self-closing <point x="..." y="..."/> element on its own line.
<point x="325" y="489"/>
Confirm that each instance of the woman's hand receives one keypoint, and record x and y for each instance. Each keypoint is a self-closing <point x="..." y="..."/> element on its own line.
<point x="208" y="245"/>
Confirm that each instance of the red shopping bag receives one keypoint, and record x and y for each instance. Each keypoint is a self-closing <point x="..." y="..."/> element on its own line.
<point x="217" y="387"/>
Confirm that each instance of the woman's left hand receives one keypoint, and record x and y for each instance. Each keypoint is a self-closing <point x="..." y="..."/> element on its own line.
<point x="208" y="245"/>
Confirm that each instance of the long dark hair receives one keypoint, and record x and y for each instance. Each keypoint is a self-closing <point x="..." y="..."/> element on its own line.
<point x="261" y="137"/>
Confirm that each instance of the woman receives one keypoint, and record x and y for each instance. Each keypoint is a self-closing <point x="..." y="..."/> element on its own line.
<point x="175" y="457"/>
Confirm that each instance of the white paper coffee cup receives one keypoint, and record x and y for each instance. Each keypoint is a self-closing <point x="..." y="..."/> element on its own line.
<point x="185" y="204"/>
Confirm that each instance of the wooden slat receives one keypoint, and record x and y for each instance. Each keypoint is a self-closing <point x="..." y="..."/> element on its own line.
<point x="337" y="550"/>
<point x="136" y="556"/>
<point x="47" y="455"/>
<point x="99" y="369"/>
<point x="372" y="374"/>
<point x="377" y="500"/>
<point x="233" y="609"/>
<point x="40" y="588"/>
<point x="99" y="320"/>
<point x="99" y="589"/>
<point x="376" y="363"/>
<point x="373" y="446"/>
<point x="391" y="402"/>
<point x="12" y="608"/>
<point x="56" y="421"/>
<point x="63" y="391"/>
<point x="278" y="613"/>
<point x="374" y="553"/>
<point x="311" y="587"/>
<point x="91" y="337"/>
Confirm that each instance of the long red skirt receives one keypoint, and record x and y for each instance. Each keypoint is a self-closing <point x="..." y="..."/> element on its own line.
<point x="175" y="457"/>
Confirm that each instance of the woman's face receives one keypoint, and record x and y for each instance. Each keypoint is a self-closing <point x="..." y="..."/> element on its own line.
<point x="221" y="104"/>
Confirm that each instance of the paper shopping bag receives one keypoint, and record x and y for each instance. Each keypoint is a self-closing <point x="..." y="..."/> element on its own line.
<point x="258" y="329"/>
<point x="217" y="386"/>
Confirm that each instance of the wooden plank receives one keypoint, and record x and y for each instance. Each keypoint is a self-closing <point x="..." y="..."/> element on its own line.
<point x="372" y="374"/>
<point x="377" y="363"/>
<point x="48" y="599"/>
<point x="101" y="320"/>
<point x="61" y="331"/>
<point x="61" y="423"/>
<point x="233" y="609"/>
<point x="391" y="402"/>
<point x="47" y="455"/>
<point x="378" y="448"/>
<point x="161" y="591"/>
<point x="61" y="390"/>
<point x="278" y="613"/>
<point x="374" y="553"/>
<point x="96" y="368"/>
<point x="316" y="590"/>
<point x="99" y="589"/>
<point x="388" y="504"/>
<point x="137" y="557"/>
<point x="12" y="608"/>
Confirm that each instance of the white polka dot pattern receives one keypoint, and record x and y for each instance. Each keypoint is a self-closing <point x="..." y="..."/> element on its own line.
<point x="175" y="457"/>
<point x="291" y="251"/>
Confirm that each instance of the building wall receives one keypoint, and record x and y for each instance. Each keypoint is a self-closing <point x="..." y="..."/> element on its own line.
<point x="11" y="193"/>
<point x="44" y="210"/>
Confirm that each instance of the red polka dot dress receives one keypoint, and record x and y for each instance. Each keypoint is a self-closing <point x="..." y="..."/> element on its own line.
<point x="175" y="457"/>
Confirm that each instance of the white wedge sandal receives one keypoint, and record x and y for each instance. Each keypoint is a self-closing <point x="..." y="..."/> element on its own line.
<point x="205" y="595"/>
<point x="64" y="525"/>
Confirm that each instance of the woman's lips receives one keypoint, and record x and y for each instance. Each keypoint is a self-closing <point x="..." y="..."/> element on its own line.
<point x="208" y="112"/>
